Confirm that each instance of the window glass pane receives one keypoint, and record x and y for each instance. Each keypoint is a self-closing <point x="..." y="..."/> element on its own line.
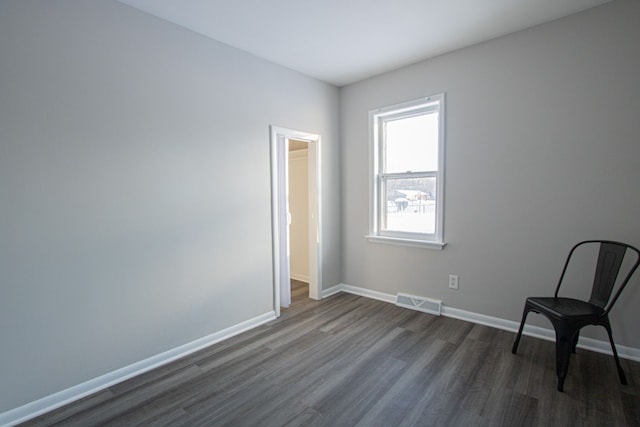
<point x="410" y="205"/>
<point x="411" y="144"/>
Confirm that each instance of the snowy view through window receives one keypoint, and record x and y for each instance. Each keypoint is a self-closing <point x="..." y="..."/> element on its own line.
<point x="411" y="205"/>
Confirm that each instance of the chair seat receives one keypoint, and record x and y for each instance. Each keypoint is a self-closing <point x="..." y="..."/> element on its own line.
<point x="565" y="307"/>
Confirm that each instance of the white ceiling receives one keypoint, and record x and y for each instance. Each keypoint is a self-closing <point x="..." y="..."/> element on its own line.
<point x="344" y="41"/>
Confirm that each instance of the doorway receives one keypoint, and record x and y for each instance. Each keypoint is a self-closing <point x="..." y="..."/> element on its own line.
<point x="298" y="181"/>
<point x="281" y="138"/>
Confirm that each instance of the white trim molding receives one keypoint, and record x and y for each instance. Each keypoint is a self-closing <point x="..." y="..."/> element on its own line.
<point x="381" y="296"/>
<point x="332" y="290"/>
<point x="591" y="344"/>
<point x="363" y="292"/>
<point x="77" y="392"/>
<point x="300" y="277"/>
<point x="406" y="242"/>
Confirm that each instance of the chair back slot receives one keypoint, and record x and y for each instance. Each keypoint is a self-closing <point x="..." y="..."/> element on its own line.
<point x="609" y="261"/>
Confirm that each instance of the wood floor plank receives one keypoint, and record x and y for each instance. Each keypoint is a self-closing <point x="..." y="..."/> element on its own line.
<point x="65" y="412"/>
<point x="353" y="361"/>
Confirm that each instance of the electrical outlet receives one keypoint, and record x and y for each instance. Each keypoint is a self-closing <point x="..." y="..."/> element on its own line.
<point x="453" y="281"/>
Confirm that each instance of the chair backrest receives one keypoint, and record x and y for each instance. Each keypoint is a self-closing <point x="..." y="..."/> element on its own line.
<point x="609" y="261"/>
<point x="610" y="258"/>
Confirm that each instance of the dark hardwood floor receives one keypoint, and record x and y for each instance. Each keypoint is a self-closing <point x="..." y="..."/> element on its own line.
<point x="353" y="361"/>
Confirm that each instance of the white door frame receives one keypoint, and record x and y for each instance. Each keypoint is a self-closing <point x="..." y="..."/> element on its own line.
<point x="279" y="182"/>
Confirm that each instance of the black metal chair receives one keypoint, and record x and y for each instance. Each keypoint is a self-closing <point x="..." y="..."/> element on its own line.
<point x="569" y="315"/>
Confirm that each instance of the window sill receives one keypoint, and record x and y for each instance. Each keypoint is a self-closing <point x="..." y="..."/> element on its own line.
<point x="406" y="242"/>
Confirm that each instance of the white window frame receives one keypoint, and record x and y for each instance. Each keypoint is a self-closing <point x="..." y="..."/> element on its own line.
<point x="377" y="118"/>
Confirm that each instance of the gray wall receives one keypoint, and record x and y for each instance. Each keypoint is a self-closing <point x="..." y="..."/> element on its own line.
<point x="135" y="211"/>
<point x="543" y="144"/>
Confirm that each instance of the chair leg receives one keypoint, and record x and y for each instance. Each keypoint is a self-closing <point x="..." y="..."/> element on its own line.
<point x="514" y="349"/>
<point x="623" y="378"/>
<point x="564" y="344"/>
<point x="575" y="341"/>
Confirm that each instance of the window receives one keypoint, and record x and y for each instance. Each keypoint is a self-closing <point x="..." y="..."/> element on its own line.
<point x="407" y="173"/>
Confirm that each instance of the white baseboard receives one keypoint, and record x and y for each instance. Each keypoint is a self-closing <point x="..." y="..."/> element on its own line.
<point x="381" y="296"/>
<point x="332" y="290"/>
<point x="61" y="398"/>
<point x="598" y="346"/>
<point x="299" y="277"/>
